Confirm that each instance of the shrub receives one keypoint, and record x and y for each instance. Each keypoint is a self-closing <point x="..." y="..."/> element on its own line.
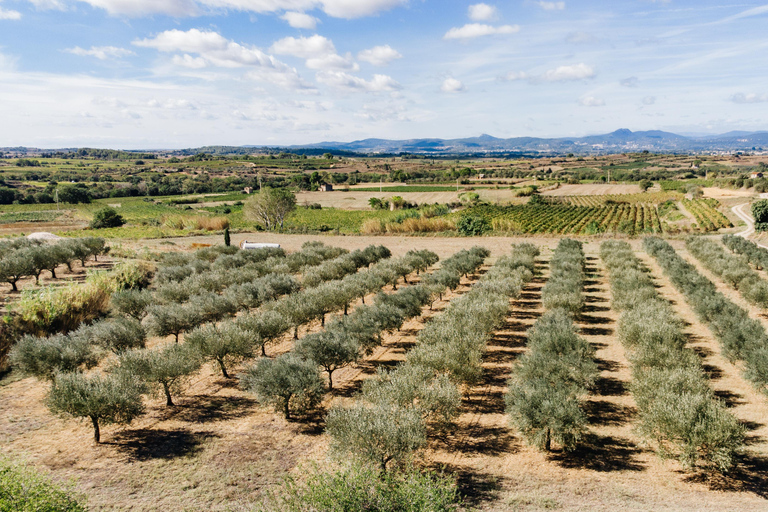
<point x="131" y="303"/>
<point x="103" y="399"/>
<point x="469" y="225"/>
<point x="289" y="383"/>
<point x="106" y="218"/>
<point x="118" y="335"/>
<point x="356" y="488"/>
<point x="23" y="489"/>
<point x="45" y="358"/>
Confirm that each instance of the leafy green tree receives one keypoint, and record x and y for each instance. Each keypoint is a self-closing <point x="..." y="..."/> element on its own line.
<point x="131" y="303"/>
<point x="645" y="185"/>
<point x="760" y="213"/>
<point x="473" y="225"/>
<point x="267" y="326"/>
<point x="164" y="320"/>
<point x="103" y="399"/>
<point x="288" y="383"/>
<point x="107" y="217"/>
<point x="119" y="334"/>
<point x="270" y="207"/>
<point x="23" y="489"/>
<point x="377" y="434"/>
<point x="15" y="266"/>
<point x="224" y="345"/>
<point x="165" y="369"/>
<point x="329" y="349"/>
<point x="74" y="194"/>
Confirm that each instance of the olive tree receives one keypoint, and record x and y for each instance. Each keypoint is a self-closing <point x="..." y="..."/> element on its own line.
<point x="104" y="399"/>
<point x="224" y="345"/>
<point x="15" y="266"/>
<point x="164" y="369"/>
<point x="289" y="383"/>
<point x="329" y="349"/>
<point x="377" y="434"/>
<point x="45" y="358"/>
<point x="266" y="326"/>
<point x="131" y="303"/>
<point x="118" y="334"/>
<point x="164" y="320"/>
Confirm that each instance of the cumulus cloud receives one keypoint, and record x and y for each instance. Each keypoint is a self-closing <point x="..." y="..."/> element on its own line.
<point x="379" y="55"/>
<point x="300" y="20"/>
<point x="349" y="9"/>
<point x="319" y="52"/>
<point x="649" y="100"/>
<point x="552" y="6"/>
<point x="591" y="101"/>
<point x="472" y="30"/>
<point x="47" y="4"/>
<point x="9" y="15"/>
<point x="137" y="8"/>
<point x="482" y="12"/>
<point x="632" y="81"/>
<point x="303" y="47"/>
<point x="213" y="49"/>
<point x="451" y="85"/>
<point x="101" y="52"/>
<point x="749" y="98"/>
<point x="346" y="81"/>
<point x="568" y="73"/>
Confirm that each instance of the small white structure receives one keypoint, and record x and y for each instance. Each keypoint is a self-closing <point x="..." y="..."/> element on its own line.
<point x="245" y="244"/>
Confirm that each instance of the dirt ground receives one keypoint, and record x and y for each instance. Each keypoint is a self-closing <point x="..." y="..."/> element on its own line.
<point x="353" y="200"/>
<point x="219" y="450"/>
<point x="592" y="190"/>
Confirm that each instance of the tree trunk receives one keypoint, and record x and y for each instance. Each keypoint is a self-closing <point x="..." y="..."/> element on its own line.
<point x="168" y="399"/>
<point x="13" y="286"/>
<point x="330" y="380"/>
<point x="296" y="332"/>
<point x="548" y="441"/>
<point x="363" y="297"/>
<point x="177" y="336"/>
<point x="322" y="320"/>
<point x="53" y="273"/>
<point x="223" y="369"/>
<point x="96" y="432"/>
<point x="346" y="307"/>
<point x="264" y="349"/>
<point x="286" y="409"/>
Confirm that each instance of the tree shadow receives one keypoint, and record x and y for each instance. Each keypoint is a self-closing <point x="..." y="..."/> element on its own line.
<point x="610" y="386"/>
<point x="206" y="408"/>
<point x="475" y="487"/>
<point x="749" y="474"/>
<point x="146" y="444"/>
<point x="602" y="412"/>
<point x="602" y="454"/>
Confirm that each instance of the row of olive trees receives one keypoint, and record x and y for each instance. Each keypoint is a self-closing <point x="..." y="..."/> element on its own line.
<point x="291" y="382"/>
<point x="741" y="337"/>
<point x="546" y="393"/>
<point x="734" y="270"/>
<point x="677" y="408"/>
<point x="28" y="258"/>
<point x="391" y="417"/>
<point x="755" y="254"/>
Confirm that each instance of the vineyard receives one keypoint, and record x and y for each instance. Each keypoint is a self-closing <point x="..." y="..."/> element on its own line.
<point x="228" y="379"/>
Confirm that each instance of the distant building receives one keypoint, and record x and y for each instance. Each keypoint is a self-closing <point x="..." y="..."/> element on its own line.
<point x="248" y="190"/>
<point x="756" y="175"/>
<point x="326" y="187"/>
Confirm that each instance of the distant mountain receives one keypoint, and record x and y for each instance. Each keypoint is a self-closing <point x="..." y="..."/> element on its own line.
<point x="620" y="141"/>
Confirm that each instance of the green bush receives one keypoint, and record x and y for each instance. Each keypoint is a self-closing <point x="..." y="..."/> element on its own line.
<point x="106" y="218"/>
<point x="22" y="489"/>
<point x="356" y="489"/>
<point x="472" y="225"/>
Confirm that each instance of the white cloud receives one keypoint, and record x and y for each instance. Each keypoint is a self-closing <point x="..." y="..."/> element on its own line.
<point x="100" y="52"/>
<point x="303" y="47"/>
<point x="300" y="20"/>
<point x="48" y="4"/>
<point x="567" y="73"/>
<point x="482" y="12"/>
<point x="552" y="6"/>
<point x="473" y="30"/>
<point x="649" y="100"/>
<point x="9" y="15"/>
<point x="342" y="80"/>
<point x="631" y="81"/>
<point x="349" y="9"/>
<point x="379" y="55"/>
<point x="591" y="101"/>
<point x="215" y="50"/>
<point x="451" y="85"/>
<point x="136" y="8"/>
<point x="332" y="61"/>
<point x="749" y="98"/>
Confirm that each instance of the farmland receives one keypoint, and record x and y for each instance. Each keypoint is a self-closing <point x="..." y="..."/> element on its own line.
<point x="220" y="447"/>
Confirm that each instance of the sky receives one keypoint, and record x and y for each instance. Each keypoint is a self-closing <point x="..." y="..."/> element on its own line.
<point x="164" y="74"/>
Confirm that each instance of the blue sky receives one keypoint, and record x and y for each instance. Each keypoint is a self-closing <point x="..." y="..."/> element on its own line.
<point x="184" y="73"/>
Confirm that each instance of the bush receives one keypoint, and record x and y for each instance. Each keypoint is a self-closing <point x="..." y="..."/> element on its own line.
<point x="106" y="218"/>
<point x="44" y="358"/>
<point x="358" y="488"/>
<point x="289" y="383"/>
<point x="470" y="225"/>
<point x="22" y="489"/>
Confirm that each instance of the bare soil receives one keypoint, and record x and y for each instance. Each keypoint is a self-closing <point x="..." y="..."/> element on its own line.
<point x="592" y="190"/>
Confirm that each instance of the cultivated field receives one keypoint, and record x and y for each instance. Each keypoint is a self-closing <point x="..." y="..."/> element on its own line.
<point x="218" y="448"/>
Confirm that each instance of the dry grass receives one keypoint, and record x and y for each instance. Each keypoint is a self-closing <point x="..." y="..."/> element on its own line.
<point x="198" y="222"/>
<point x="420" y="225"/>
